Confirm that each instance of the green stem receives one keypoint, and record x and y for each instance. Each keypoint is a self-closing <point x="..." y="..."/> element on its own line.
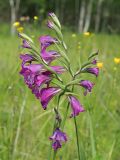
<point x="77" y="137"/>
<point x="54" y="155"/>
<point x="76" y="129"/>
<point x="65" y="117"/>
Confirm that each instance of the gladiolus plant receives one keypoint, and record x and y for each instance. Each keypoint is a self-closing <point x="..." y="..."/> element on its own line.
<point x="45" y="81"/>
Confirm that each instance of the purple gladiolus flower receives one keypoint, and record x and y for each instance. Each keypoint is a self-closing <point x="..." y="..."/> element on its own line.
<point x="35" y="68"/>
<point x="94" y="71"/>
<point x="58" y="137"/>
<point x="49" y="56"/>
<point x="30" y="71"/>
<point x="87" y="85"/>
<point x="56" y="145"/>
<point x="26" y="44"/>
<point x="26" y="58"/>
<point x="42" y="79"/>
<point x="28" y="76"/>
<point x="76" y="106"/>
<point x="46" y="41"/>
<point x="47" y="94"/>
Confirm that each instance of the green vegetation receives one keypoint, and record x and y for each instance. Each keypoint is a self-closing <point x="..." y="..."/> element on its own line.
<point x="25" y="127"/>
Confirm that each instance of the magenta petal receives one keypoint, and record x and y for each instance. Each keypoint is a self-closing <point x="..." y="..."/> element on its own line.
<point x="87" y="85"/>
<point x="46" y="41"/>
<point x="26" y="58"/>
<point x="93" y="70"/>
<point x="59" y="136"/>
<point x="41" y="79"/>
<point x="47" y="94"/>
<point x="36" y="90"/>
<point x="76" y="106"/>
<point x="58" y="69"/>
<point x="94" y="61"/>
<point x="56" y="145"/>
<point x="35" y="68"/>
<point x="30" y="71"/>
<point x="49" y="56"/>
<point x="28" y="76"/>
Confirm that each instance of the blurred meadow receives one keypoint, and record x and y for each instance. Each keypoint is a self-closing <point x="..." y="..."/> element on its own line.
<point x="25" y="127"/>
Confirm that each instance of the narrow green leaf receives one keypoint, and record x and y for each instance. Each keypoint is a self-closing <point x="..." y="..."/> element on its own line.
<point x="111" y="150"/>
<point x="23" y="35"/>
<point x="76" y="81"/>
<point x="92" y="55"/>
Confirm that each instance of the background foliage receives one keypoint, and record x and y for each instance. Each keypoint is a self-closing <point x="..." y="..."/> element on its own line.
<point x="24" y="126"/>
<point x="68" y="12"/>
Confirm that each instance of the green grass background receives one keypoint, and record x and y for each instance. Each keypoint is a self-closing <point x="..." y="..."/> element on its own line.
<point x="25" y="127"/>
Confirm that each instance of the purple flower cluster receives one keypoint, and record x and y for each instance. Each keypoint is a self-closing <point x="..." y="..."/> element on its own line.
<point x="38" y="75"/>
<point x="58" y="138"/>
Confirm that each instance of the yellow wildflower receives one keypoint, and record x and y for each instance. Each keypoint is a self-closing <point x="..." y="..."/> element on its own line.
<point x="117" y="60"/>
<point x="100" y="65"/>
<point x="35" y="17"/>
<point x="86" y="33"/>
<point x="20" y="29"/>
<point x="73" y="35"/>
<point x="16" y="24"/>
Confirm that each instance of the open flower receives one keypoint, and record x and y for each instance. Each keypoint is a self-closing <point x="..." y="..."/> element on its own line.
<point x="26" y="58"/>
<point x="76" y="106"/>
<point x="35" y="68"/>
<point x="49" y="56"/>
<point x="58" y="138"/>
<point x="46" y="41"/>
<point x="29" y="72"/>
<point x="42" y="79"/>
<point x="94" y="71"/>
<point x="87" y="85"/>
<point x="28" y="76"/>
<point x="47" y="94"/>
